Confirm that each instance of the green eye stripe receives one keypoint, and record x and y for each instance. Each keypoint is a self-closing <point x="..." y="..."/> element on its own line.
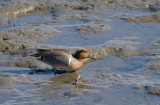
<point x="80" y="51"/>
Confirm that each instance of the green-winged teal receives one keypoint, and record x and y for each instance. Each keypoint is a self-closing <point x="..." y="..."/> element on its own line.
<point x="63" y="59"/>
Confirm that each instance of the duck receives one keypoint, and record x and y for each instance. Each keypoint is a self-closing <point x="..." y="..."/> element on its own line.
<point x="61" y="59"/>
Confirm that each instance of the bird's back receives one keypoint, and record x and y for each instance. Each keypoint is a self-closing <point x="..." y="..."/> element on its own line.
<point x="57" y="58"/>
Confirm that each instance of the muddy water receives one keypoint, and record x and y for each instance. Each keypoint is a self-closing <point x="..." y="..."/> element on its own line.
<point x="126" y="71"/>
<point x="144" y="32"/>
<point x="1" y="1"/>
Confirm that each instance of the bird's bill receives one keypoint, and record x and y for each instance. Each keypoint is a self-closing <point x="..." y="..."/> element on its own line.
<point x="91" y="57"/>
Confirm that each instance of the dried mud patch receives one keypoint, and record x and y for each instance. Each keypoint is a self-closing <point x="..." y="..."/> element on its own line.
<point x="12" y="9"/>
<point x="154" y="6"/>
<point x="71" y="6"/>
<point x="154" y="90"/>
<point x="20" y="37"/>
<point x="153" y="17"/>
<point x="12" y="79"/>
<point x="93" y="29"/>
<point x="29" y="33"/>
<point x="154" y="64"/>
<point x="5" y="45"/>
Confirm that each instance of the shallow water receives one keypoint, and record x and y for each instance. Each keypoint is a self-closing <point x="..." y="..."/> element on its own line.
<point x="30" y="18"/>
<point x="117" y="79"/>
<point x="1" y="1"/>
<point x="145" y="32"/>
<point x="45" y="88"/>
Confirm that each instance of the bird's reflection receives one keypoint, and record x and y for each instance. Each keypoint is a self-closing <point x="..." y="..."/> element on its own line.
<point x="67" y="78"/>
<point x="61" y="86"/>
<point x="71" y="80"/>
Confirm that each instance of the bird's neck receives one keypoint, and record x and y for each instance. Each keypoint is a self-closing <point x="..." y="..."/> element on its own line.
<point x="76" y="57"/>
<point x="79" y="59"/>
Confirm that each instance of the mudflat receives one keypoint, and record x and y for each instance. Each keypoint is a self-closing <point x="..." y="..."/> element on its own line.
<point x="123" y="36"/>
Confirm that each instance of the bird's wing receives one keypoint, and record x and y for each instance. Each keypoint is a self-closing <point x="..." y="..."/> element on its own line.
<point x="55" y="52"/>
<point x="53" y="56"/>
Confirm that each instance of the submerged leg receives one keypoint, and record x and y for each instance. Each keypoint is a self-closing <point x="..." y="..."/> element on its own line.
<point x="78" y="78"/>
<point x="55" y="72"/>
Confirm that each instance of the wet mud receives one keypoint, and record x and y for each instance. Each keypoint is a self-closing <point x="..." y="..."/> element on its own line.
<point x="122" y="35"/>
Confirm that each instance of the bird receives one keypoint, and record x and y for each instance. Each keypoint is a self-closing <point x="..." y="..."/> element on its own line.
<point x="61" y="59"/>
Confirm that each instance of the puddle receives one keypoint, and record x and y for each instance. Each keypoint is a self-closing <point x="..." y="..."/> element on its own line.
<point x="122" y="65"/>
<point x="106" y="98"/>
<point x="101" y="98"/>
<point x="33" y="18"/>
<point x="14" y="70"/>
<point x="124" y="99"/>
<point x="145" y="32"/>
<point x="1" y="1"/>
<point x="125" y="13"/>
<point x="6" y="58"/>
<point x="70" y="37"/>
<point x="29" y="20"/>
<point x="71" y="22"/>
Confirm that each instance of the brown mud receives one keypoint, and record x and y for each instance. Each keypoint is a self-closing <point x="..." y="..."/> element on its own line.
<point x="123" y="35"/>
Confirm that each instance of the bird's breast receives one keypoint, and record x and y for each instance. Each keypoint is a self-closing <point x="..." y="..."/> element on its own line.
<point x="75" y="64"/>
